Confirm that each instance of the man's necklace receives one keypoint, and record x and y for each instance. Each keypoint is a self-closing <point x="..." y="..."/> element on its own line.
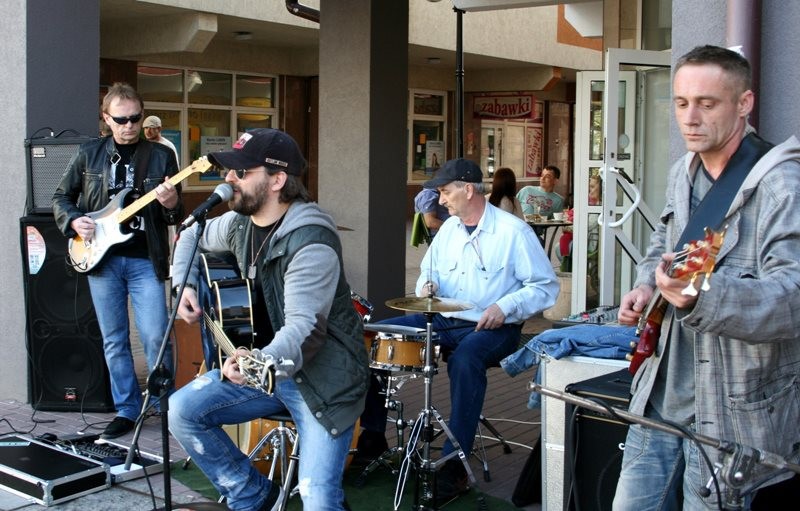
<point x="251" y="268"/>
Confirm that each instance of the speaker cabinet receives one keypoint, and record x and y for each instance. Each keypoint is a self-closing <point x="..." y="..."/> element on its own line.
<point x="47" y="159"/>
<point x="66" y="366"/>
<point x="594" y="443"/>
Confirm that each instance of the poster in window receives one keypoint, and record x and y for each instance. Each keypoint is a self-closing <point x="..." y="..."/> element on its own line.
<point x="434" y="155"/>
<point x="208" y="180"/>
<point x="533" y="151"/>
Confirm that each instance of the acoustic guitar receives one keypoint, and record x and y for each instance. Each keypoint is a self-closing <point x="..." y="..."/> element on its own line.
<point x="85" y="255"/>
<point x="697" y="258"/>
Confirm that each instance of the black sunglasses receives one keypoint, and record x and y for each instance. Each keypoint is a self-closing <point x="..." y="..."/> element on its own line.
<point x="122" y="121"/>
<point x="239" y="173"/>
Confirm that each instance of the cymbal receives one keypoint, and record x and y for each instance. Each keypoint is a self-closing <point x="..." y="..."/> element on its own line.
<point x="425" y="304"/>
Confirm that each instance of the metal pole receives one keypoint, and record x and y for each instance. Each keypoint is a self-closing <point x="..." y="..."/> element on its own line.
<point x="459" y="84"/>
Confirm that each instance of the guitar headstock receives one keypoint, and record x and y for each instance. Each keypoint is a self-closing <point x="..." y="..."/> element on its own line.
<point x="200" y="165"/>
<point x="696" y="258"/>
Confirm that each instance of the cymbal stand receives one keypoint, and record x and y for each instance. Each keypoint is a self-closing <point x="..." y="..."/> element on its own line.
<point x="400" y="425"/>
<point x="425" y="492"/>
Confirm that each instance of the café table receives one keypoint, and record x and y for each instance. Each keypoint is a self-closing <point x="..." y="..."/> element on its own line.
<point x="543" y="227"/>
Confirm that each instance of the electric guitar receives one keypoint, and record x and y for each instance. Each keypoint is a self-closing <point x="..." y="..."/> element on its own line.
<point x="84" y="255"/>
<point x="230" y="314"/>
<point x="697" y="257"/>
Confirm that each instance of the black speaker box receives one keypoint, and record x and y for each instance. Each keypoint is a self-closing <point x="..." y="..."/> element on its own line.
<point x="594" y="443"/>
<point x="47" y="159"/>
<point x="66" y="366"/>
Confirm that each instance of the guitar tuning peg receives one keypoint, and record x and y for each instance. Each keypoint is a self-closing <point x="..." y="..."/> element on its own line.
<point x="689" y="290"/>
<point x="705" y="286"/>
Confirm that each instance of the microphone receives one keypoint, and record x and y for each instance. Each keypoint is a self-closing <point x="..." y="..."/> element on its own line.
<point x="222" y="193"/>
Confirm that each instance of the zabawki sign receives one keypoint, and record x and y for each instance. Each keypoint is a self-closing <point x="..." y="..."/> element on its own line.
<point x="520" y="106"/>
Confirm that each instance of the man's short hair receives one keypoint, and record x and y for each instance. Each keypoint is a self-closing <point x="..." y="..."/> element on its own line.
<point x="122" y="91"/>
<point x="730" y="61"/>
<point x="555" y="170"/>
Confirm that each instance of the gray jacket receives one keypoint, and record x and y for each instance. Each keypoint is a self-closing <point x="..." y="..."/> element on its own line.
<point x="747" y="342"/>
<point x="308" y="299"/>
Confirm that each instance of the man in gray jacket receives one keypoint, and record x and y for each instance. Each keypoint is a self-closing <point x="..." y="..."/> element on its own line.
<point x="308" y="335"/>
<point x="727" y="361"/>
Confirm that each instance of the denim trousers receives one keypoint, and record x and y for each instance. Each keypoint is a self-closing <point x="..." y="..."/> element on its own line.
<point x="661" y="471"/>
<point x="110" y="285"/>
<point x="197" y="412"/>
<point x="471" y="354"/>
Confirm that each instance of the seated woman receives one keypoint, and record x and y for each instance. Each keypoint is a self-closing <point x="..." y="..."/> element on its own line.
<point x="504" y="192"/>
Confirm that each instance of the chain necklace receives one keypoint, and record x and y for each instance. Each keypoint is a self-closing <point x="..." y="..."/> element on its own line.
<point x="251" y="268"/>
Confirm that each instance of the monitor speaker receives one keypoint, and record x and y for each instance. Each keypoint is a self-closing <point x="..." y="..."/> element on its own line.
<point x="66" y="366"/>
<point x="594" y="443"/>
<point x="47" y="159"/>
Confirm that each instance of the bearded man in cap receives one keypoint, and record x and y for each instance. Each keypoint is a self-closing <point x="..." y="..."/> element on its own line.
<point x="308" y="336"/>
<point x="491" y="259"/>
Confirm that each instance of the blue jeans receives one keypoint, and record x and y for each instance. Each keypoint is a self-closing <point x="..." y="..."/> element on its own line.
<point x="197" y="412"/>
<point x="115" y="279"/>
<point x="661" y="471"/>
<point x="471" y="353"/>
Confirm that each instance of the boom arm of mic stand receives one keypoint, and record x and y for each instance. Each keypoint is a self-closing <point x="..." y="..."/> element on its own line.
<point x="734" y="475"/>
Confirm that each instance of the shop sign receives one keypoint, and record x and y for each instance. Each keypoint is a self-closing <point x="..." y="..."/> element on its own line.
<point x="503" y="107"/>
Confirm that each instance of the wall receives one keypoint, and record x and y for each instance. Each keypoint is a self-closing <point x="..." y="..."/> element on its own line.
<point x="13" y="130"/>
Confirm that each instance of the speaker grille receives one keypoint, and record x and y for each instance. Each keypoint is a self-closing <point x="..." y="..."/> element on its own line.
<point x="67" y="369"/>
<point x="47" y="160"/>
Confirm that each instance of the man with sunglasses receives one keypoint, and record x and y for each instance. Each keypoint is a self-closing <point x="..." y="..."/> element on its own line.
<point x="289" y="250"/>
<point x="99" y="171"/>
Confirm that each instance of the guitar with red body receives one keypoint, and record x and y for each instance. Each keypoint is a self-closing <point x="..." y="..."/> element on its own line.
<point x="697" y="258"/>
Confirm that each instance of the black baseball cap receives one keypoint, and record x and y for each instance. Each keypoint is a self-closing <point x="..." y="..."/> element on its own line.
<point x="459" y="169"/>
<point x="269" y="147"/>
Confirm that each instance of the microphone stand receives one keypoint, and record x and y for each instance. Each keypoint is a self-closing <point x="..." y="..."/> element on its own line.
<point x="159" y="382"/>
<point x="739" y="460"/>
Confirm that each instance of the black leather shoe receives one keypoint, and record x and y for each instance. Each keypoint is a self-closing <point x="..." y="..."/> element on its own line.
<point x="451" y="481"/>
<point x="118" y="427"/>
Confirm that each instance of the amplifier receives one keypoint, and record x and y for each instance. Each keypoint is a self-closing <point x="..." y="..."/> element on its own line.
<point x="47" y="475"/>
<point x="47" y="160"/>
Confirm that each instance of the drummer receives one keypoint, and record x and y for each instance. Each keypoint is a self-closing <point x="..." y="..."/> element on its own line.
<point x="481" y="256"/>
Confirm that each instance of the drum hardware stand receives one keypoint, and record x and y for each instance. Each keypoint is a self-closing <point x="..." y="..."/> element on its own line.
<point x="425" y="491"/>
<point x="400" y="425"/>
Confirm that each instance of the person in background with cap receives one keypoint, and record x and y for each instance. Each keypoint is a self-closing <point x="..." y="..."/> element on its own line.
<point x="152" y="132"/>
<point x="486" y="257"/>
<point x="309" y="333"/>
<point x="99" y="171"/>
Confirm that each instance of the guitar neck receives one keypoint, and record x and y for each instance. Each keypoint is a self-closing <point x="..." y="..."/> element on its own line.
<point x="130" y="211"/>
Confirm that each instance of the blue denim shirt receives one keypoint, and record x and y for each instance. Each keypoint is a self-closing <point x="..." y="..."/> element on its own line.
<point x="590" y="340"/>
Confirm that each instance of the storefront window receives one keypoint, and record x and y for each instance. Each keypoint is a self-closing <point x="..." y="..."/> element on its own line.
<point x="428" y="139"/>
<point x="236" y="103"/>
<point x="160" y="84"/>
<point x="207" y="88"/>
<point x="254" y="91"/>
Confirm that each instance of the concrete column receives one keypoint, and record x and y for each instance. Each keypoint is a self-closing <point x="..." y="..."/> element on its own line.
<point x="362" y="139"/>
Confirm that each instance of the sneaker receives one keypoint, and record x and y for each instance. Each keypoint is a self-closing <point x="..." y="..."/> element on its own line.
<point x="451" y="481"/>
<point x="371" y="444"/>
<point x="118" y="427"/>
<point x="274" y="498"/>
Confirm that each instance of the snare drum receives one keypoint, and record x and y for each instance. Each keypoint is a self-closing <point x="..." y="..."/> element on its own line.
<point x="395" y="352"/>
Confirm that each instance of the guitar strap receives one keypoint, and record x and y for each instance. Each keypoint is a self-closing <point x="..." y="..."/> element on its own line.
<point x="141" y="159"/>
<point x="712" y="209"/>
